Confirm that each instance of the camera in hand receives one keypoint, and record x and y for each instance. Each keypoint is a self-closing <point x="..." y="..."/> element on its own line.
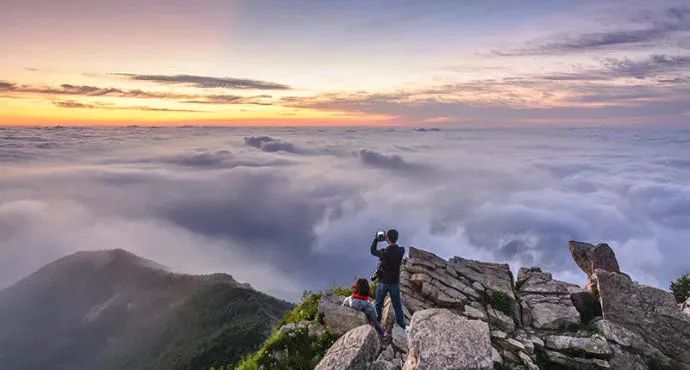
<point x="381" y="236"/>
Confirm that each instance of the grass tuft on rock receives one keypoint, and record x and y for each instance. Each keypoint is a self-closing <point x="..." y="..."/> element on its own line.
<point x="502" y="302"/>
<point x="295" y="349"/>
<point x="307" y="310"/>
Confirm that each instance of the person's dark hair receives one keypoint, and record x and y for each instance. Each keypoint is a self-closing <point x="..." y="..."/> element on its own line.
<point x="392" y="235"/>
<point x="361" y="287"/>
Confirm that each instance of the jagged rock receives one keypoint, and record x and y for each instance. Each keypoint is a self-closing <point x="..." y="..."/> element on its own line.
<point x="545" y="303"/>
<point x="575" y="362"/>
<point x="589" y="258"/>
<point x="497" y="334"/>
<point x="551" y="313"/>
<point x="595" y="345"/>
<point x="538" y="342"/>
<point x="526" y="340"/>
<point x="512" y="345"/>
<point x="492" y="276"/>
<point x="533" y="281"/>
<point x="397" y="362"/>
<point x="626" y="360"/>
<point x="509" y="356"/>
<point x="631" y="342"/>
<point x="525" y="313"/>
<point x="527" y="361"/>
<point x="355" y="350"/>
<point x="388" y="353"/>
<point x="399" y="338"/>
<point x="475" y="314"/>
<point x="587" y="305"/>
<point x="338" y="318"/>
<point x="381" y="364"/>
<point x="650" y="312"/>
<point x="495" y="356"/>
<point x="499" y="320"/>
<point x="440" y="339"/>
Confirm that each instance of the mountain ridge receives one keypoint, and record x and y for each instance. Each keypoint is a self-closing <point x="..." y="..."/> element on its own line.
<point x="113" y="309"/>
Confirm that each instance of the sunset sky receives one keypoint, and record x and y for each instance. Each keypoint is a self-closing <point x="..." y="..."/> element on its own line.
<point x="345" y="62"/>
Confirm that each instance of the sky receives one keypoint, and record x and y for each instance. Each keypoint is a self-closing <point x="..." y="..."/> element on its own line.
<point x="452" y="63"/>
<point x="295" y="208"/>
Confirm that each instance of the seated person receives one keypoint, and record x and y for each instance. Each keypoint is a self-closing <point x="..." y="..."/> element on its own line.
<point x="359" y="300"/>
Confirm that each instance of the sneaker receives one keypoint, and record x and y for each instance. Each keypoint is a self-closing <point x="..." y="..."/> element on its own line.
<point x="407" y="329"/>
<point x="386" y="337"/>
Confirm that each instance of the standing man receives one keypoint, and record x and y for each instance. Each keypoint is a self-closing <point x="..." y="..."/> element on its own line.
<point x="389" y="275"/>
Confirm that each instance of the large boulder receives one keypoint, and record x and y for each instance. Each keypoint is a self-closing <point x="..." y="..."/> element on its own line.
<point x="355" y="350"/>
<point x="440" y="339"/>
<point x="630" y="350"/>
<point x="650" y="312"/>
<point x="339" y="319"/>
<point x="545" y="303"/>
<point x="590" y="258"/>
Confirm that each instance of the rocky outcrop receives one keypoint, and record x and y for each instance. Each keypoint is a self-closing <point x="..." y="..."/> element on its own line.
<point x="650" y="312"/>
<point x="590" y="258"/>
<point x="338" y="318"/>
<point x="355" y="350"/>
<point x="441" y="339"/>
<point x="472" y="315"/>
<point x="546" y="303"/>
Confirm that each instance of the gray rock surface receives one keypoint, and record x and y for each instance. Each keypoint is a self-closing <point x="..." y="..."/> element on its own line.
<point x="596" y="345"/>
<point x="575" y="362"/>
<point x="441" y="339"/>
<point x="650" y="312"/>
<point x="338" y="318"/>
<point x="355" y="350"/>
<point x="399" y="338"/>
<point x="546" y="303"/>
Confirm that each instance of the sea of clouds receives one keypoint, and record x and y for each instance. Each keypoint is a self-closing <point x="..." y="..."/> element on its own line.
<point x="289" y="209"/>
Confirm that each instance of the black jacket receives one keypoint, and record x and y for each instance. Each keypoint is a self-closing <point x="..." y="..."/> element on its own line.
<point x="391" y="257"/>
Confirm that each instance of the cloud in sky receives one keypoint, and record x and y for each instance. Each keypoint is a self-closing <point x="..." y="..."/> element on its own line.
<point x="204" y="200"/>
<point x="658" y="27"/>
<point x="232" y="99"/>
<point x="208" y="82"/>
<point x="78" y="105"/>
<point x="445" y="74"/>
<point x="6" y="85"/>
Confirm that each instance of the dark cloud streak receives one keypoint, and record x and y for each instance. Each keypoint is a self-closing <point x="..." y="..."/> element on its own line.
<point x="206" y="82"/>
<point x="661" y="26"/>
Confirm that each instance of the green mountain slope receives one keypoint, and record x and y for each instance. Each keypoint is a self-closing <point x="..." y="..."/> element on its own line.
<point x="114" y="310"/>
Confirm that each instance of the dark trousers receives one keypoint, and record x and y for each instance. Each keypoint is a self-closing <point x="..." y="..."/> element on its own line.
<point x="394" y="289"/>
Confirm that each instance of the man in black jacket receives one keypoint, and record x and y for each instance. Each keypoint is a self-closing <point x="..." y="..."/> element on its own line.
<point x="389" y="275"/>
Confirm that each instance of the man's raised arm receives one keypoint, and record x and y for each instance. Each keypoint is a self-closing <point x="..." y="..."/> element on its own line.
<point x="374" y="251"/>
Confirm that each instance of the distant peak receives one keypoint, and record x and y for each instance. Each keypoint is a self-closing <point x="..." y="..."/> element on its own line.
<point x="107" y="256"/>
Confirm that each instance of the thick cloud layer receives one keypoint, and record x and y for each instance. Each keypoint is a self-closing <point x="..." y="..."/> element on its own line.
<point x="294" y="209"/>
